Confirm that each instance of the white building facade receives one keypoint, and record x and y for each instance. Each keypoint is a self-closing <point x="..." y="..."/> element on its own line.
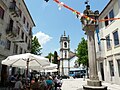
<point x="16" y="26"/>
<point x="68" y="58"/>
<point x="108" y="51"/>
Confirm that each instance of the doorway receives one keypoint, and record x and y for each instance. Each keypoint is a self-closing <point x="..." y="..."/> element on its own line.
<point x="102" y="70"/>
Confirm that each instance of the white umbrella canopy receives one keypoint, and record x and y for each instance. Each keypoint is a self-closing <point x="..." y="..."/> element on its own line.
<point x="53" y="70"/>
<point x="26" y="60"/>
<point x="50" y="67"/>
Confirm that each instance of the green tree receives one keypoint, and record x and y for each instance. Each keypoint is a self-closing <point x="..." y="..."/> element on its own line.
<point x="50" y="55"/>
<point x="82" y="52"/>
<point x="36" y="47"/>
<point x="55" y="61"/>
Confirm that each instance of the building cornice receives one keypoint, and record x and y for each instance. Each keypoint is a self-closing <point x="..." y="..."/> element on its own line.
<point x="105" y="7"/>
<point x="28" y="12"/>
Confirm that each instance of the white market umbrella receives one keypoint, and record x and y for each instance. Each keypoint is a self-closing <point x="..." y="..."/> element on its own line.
<point x="53" y="70"/>
<point x="50" y="67"/>
<point x="27" y="60"/>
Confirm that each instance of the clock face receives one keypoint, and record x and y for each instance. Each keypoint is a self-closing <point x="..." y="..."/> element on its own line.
<point x="65" y="44"/>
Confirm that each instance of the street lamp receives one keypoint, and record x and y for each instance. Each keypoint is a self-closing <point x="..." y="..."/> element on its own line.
<point x="105" y="39"/>
<point x="89" y="26"/>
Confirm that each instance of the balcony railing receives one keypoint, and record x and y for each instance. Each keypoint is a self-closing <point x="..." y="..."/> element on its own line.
<point x="11" y="31"/>
<point x="14" y="9"/>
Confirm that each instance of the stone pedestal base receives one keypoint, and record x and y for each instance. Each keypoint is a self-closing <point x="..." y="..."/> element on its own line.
<point x="94" y="83"/>
<point x="94" y="87"/>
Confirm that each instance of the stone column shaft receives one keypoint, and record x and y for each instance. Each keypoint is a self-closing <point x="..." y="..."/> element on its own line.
<point x="92" y="55"/>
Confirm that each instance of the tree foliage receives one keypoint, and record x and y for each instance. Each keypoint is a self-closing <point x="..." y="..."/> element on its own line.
<point x="82" y="52"/>
<point x="36" y="47"/>
<point x="50" y="55"/>
<point x="55" y="61"/>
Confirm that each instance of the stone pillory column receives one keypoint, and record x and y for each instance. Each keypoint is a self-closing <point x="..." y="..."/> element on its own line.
<point x="89" y="27"/>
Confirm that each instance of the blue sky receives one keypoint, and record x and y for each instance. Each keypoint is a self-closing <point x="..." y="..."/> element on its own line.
<point x="52" y="22"/>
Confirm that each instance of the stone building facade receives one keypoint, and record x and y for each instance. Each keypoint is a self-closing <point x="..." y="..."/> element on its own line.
<point x="16" y="26"/>
<point x="108" y="51"/>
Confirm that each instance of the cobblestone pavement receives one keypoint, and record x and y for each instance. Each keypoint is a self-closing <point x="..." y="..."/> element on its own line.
<point x="77" y="84"/>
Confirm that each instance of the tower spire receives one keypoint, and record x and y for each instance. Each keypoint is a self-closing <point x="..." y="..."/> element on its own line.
<point x="64" y="33"/>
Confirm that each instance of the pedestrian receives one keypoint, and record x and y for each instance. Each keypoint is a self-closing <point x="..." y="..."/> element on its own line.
<point x="83" y="76"/>
<point x="55" y="81"/>
<point x="18" y="84"/>
<point x="59" y="83"/>
<point x="35" y="85"/>
<point x="50" y="83"/>
<point x="43" y="84"/>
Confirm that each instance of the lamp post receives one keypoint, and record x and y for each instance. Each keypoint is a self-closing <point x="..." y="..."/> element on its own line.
<point x="89" y="27"/>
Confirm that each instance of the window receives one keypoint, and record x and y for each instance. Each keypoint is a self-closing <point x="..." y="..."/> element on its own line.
<point x="20" y="12"/>
<point x="65" y="44"/>
<point x="29" y="45"/>
<point x="115" y="37"/>
<point x="26" y="39"/>
<point x="106" y="22"/>
<point x="15" y="49"/>
<point x="1" y="13"/>
<point x="27" y="25"/>
<point x="108" y="42"/>
<point x="24" y="19"/>
<point x="21" y="50"/>
<point x="111" y="68"/>
<point x="118" y="61"/>
<point x="8" y="44"/>
<point x="65" y="54"/>
<point x="18" y="30"/>
<point x="30" y="31"/>
<point x="25" y="51"/>
<point x="11" y="24"/>
<point x="111" y="15"/>
<point x="22" y="36"/>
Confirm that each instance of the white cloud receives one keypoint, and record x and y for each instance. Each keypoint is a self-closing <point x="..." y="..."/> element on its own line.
<point x="42" y="37"/>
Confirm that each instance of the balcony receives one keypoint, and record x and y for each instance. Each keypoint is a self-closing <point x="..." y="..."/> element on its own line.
<point x="15" y="11"/>
<point x="11" y="31"/>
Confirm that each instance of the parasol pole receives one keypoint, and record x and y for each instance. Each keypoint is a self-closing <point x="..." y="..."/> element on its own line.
<point x="27" y="72"/>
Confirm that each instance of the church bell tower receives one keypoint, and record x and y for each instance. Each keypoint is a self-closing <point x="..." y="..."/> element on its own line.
<point x="64" y="52"/>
